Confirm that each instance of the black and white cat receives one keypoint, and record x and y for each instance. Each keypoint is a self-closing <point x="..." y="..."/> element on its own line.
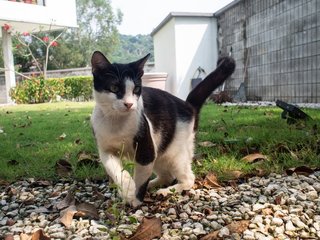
<point x="147" y="125"/>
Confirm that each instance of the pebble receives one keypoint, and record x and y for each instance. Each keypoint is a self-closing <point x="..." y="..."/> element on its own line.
<point x="277" y="207"/>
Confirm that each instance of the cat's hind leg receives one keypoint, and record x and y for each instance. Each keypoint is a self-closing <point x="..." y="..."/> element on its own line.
<point x="164" y="176"/>
<point x="182" y="170"/>
<point x="121" y="178"/>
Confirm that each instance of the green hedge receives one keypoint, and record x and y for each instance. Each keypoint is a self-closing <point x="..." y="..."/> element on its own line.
<point x="39" y="90"/>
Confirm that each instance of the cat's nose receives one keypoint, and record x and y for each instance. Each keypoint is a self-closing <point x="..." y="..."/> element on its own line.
<point x="128" y="105"/>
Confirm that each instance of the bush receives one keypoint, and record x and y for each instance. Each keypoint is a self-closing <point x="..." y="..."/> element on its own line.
<point x="38" y="90"/>
<point x="77" y="87"/>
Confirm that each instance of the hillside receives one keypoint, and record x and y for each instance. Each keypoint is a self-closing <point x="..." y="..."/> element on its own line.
<point x="132" y="48"/>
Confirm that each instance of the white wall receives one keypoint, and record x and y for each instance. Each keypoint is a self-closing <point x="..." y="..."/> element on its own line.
<point x="196" y="46"/>
<point x="165" y="54"/>
<point x="181" y="46"/>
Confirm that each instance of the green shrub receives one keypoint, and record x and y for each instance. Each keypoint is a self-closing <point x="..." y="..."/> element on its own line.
<point x="77" y="87"/>
<point x="38" y="90"/>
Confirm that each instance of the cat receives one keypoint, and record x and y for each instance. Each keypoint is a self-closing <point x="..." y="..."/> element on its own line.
<point x="147" y="125"/>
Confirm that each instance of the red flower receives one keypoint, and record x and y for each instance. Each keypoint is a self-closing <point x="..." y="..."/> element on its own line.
<point x="45" y="39"/>
<point x="6" y="27"/>
<point x="26" y="34"/>
<point x="54" y="44"/>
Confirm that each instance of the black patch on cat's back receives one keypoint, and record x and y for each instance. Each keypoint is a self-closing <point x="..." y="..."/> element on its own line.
<point x="143" y="144"/>
<point x="164" y="110"/>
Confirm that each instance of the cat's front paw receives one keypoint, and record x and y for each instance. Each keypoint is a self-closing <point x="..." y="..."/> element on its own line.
<point x="128" y="191"/>
<point x="165" y="191"/>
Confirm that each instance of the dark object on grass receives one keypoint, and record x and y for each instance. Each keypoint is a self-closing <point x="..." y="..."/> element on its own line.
<point x="291" y="112"/>
<point x="221" y="97"/>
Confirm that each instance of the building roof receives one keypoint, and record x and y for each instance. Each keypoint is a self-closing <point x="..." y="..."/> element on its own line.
<point x="179" y="14"/>
<point x="193" y="14"/>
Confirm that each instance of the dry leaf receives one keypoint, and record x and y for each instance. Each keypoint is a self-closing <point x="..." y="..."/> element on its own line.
<point x="238" y="226"/>
<point x="10" y="222"/>
<point x="39" y="235"/>
<point x="267" y="211"/>
<point x="67" y="201"/>
<point x="234" y="227"/>
<point x="211" y="236"/>
<point x="254" y="157"/>
<point x="67" y="215"/>
<point x="211" y="181"/>
<point x="78" y="141"/>
<point x="63" y="168"/>
<point x="207" y="144"/>
<point x="235" y="174"/>
<point x="24" y="236"/>
<point x="87" y="210"/>
<point x="9" y="237"/>
<point x="302" y="170"/>
<point x="281" y="148"/>
<point x="87" y="159"/>
<point x="62" y="136"/>
<point x="150" y="228"/>
<point x="278" y="200"/>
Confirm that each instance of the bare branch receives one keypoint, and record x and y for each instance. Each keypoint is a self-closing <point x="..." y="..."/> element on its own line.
<point x="20" y="74"/>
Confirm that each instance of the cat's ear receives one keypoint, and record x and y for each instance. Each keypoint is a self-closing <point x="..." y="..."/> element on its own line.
<point x="140" y="63"/>
<point x="99" y="61"/>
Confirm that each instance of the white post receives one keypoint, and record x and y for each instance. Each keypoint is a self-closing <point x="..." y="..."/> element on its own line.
<point x="8" y="63"/>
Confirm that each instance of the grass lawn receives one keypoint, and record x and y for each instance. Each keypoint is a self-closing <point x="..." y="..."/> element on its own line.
<point x="34" y="137"/>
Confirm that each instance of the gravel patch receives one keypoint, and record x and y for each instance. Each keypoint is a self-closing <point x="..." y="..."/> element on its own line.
<point x="277" y="207"/>
<point x="271" y="104"/>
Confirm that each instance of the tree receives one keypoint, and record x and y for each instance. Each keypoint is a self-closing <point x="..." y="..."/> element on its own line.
<point x="97" y="31"/>
<point x="132" y="48"/>
<point x="97" y="28"/>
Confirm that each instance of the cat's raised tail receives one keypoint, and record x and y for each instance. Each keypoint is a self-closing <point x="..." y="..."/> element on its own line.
<point x="198" y="96"/>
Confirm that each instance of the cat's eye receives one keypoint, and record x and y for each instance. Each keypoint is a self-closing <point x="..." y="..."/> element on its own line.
<point x="114" y="88"/>
<point x="136" y="89"/>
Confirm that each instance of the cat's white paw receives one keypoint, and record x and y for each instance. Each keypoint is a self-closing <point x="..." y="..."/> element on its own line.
<point x="165" y="191"/>
<point x="128" y="190"/>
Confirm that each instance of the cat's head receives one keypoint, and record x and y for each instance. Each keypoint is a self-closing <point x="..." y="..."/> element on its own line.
<point x="117" y="87"/>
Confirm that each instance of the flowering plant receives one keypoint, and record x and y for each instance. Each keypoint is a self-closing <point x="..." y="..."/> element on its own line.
<point x="25" y="39"/>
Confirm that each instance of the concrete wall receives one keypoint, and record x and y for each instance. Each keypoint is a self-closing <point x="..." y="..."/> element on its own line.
<point x="184" y="43"/>
<point x="276" y="44"/>
<point x="196" y="46"/>
<point x="164" y="54"/>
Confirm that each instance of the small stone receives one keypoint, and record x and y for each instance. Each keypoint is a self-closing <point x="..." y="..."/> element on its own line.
<point x="301" y="196"/>
<point x="289" y="226"/>
<point x="297" y="222"/>
<point x="224" y="232"/>
<point x="277" y="221"/>
<point x="279" y="230"/>
<point x="212" y="217"/>
<point x="183" y="215"/>
<point x="58" y="235"/>
<point x="312" y="195"/>
<point x="215" y="225"/>
<point x="257" y="207"/>
<point x="172" y="211"/>
<point x="248" y="235"/>
<point x="316" y="186"/>
<point x="186" y="230"/>
<point x="176" y="225"/>
<point x="295" y="209"/>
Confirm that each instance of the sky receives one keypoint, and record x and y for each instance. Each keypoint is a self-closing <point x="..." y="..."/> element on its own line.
<point x="142" y="16"/>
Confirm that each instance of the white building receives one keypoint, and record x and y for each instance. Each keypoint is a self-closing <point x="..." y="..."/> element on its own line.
<point x="183" y="42"/>
<point x="30" y="16"/>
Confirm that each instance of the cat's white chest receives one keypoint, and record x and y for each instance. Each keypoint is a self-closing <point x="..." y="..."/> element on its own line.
<point x="116" y="135"/>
